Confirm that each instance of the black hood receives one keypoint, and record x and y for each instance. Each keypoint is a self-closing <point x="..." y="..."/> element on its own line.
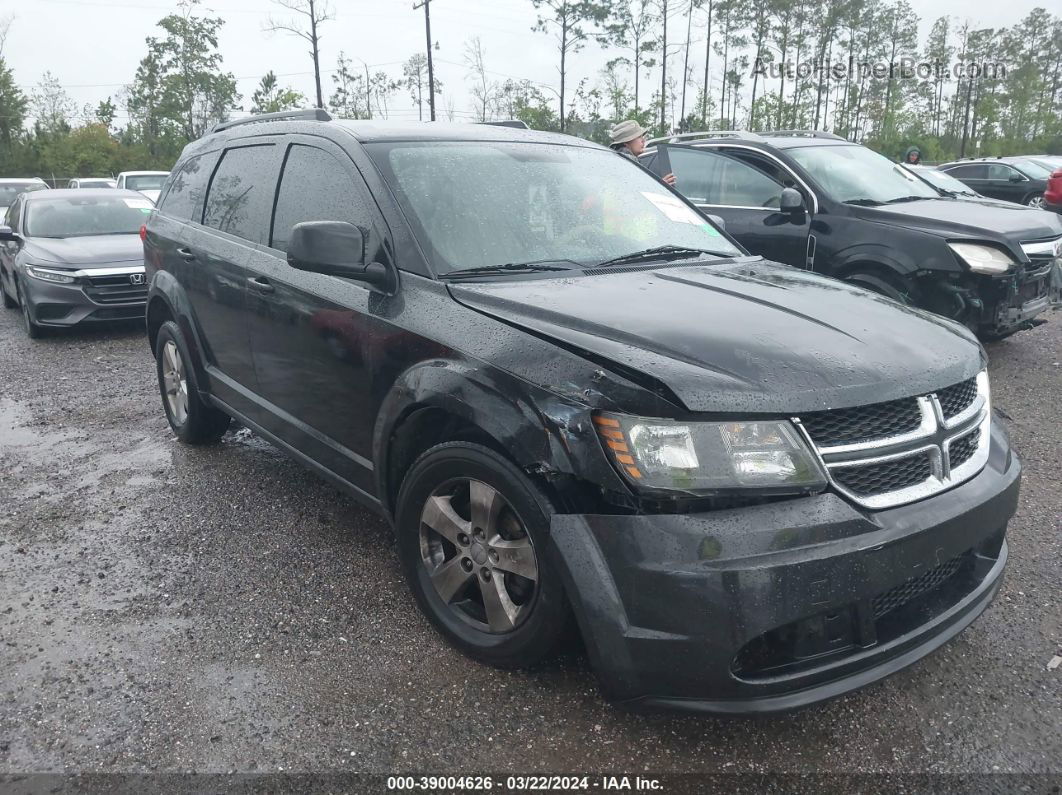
<point x="85" y="251"/>
<point x="970" y="219"/>
<point x="739" y="337"/>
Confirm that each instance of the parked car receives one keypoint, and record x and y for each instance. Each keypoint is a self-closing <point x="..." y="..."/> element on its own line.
<point x="147" y="182"/>
<point x="818" y="202"/>
<point x="69" y="257"/>
<point x="11" y="188"/>
<point x="946" y="184"/>
<point x="92" y="183"/>
<point x="753" y="487"/>
<point x="1013" y="179"/>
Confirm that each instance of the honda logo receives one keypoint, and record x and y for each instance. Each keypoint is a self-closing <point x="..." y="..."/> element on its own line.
<point x="136" y="278"/>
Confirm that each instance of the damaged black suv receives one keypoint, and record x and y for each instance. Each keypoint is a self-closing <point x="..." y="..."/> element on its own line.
<point x="815" y="201"/>
<point x="751" y="487"/>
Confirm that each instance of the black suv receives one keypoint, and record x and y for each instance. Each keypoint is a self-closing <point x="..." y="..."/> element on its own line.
<point x="818" y="202"/>
<point x="1012" y="179"/>
<point x="751" y="487"/>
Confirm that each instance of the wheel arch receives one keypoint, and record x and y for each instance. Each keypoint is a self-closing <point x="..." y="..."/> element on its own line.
<point x="167" y="301"/>
<point x="431" y="404"/>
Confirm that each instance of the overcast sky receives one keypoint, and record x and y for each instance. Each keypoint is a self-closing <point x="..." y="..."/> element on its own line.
<point x="93" y="46"/>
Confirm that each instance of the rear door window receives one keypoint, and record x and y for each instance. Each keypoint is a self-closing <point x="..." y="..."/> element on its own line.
<point x="241" y="193"/>
<point x="968" y="172"/>
<point x="316" y="186"/>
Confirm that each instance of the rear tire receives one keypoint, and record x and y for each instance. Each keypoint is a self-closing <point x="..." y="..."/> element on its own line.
<point x="192" y="419"/>
<point x="472" y="537"/>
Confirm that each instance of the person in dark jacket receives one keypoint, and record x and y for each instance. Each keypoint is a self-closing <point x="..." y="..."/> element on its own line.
<point x="913" y="156"/>
<point x="628" y="139"/>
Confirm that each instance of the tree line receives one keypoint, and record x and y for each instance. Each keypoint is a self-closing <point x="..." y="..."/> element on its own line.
<point x="853" y="67"/>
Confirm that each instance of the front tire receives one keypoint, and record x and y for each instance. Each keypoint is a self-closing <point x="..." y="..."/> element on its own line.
<point x="1036" y="200"/>
<point x="472" y="537"/>
<point x="32" y="329"/>
<point x="897" y="288"/>
<point x="9" y="302"/>
<point x="191" y="418"/>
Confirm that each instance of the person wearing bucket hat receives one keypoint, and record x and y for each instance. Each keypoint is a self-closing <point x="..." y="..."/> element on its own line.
<point x="628" y="139"/>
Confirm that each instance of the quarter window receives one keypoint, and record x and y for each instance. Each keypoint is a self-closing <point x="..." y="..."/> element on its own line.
<point x="184" y="198"/>
<point x="241" y="193"/>
<point x="315" y="187"/>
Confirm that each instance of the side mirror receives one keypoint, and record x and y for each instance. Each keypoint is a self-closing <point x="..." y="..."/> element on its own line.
<point x="791" y="203"/>
<point x="7" y="235"/>
<point x="718" y="221"/>
<point x="336" y="248"/>
<point x="1017" y="178"/>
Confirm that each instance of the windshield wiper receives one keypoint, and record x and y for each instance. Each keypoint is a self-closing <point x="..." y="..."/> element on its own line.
<point x="660" y="253"/>
<point x="534" y="266"/>
<point x="901" y="199"/>
<point x="864" y="202"/>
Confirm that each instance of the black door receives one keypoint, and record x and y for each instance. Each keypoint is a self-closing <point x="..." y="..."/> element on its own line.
<point x="1007" y="183"/>
<point x="213" y="256"/>
<point x="974" y="176"/>
<point x="743" y="196"/>
<point x="311" y="335"/>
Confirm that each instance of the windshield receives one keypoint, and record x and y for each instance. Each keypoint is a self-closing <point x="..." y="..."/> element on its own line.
<point x="943" y="181"/>
<point x="145" y="182"/>
<point x="483" y="204"/>
<point x="76" y="217"/>
<point x="1031" y="169"/>
<point x="857" y="174"/>
<point x="96" y="183"/>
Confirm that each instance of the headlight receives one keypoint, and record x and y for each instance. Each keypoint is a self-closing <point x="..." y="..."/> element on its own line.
<point x="983" y="259"/>
<point x="701" y="458"/>
<point x="48" y="275"/>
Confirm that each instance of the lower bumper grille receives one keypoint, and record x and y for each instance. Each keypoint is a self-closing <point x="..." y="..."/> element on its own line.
<point x="914" y="587"/>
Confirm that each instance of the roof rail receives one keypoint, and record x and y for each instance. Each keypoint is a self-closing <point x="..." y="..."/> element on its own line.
<point x="692" y="136"/>
<point x="802" y="134"/>
<point x="516" y="124"/>
<point x="309" y="114"/>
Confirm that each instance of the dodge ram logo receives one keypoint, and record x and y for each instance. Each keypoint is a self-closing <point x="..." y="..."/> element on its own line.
<point x="136" y="278"/>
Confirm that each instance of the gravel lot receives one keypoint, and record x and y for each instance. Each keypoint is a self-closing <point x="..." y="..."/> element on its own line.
<point x="165" y="608"/>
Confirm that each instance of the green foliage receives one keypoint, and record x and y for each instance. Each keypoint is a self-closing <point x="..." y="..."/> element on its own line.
<point x="269" y="97"/>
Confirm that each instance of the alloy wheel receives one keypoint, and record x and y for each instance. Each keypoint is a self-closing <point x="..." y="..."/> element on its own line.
<point x="1037" y="202"/>
<point x="478" y="555"/>
<point x="174" y="382"/>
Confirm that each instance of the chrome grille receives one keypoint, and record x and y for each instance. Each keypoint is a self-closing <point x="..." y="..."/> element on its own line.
<point x="115" y="289"/>
<point x="889" y="454"/>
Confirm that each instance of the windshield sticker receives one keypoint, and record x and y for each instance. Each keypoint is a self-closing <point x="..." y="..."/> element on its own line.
<point x="673" y="208"/>
<point x="138" y="204"/>
<point x="710" y="230"/>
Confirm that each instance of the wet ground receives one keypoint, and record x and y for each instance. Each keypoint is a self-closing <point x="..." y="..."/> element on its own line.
<point x="169" y="608"/>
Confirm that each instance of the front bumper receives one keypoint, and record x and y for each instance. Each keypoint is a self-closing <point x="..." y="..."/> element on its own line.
<point x="1013" y="302"/>
<point x="60" y="305"/>
<point x="778" y="606"/>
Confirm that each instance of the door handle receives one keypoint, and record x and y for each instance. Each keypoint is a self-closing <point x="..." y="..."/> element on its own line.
<point x="260" y="284"/>
<point x="186" y="254"/>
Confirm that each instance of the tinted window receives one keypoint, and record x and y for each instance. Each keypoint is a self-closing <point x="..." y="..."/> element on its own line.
<point x="1001" y="172"/>
<point x="11" y="217"/>
<point x="315" y="187"/>
<point x="968" y="172"/>
<point x="710" y="178"/>
<point x="241" y="193"/>
<point x="80" y="217"/>
<point x="184" y="199"/>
